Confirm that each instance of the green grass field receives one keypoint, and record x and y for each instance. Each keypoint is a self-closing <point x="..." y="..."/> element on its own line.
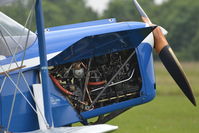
<point x="169" y="112"/>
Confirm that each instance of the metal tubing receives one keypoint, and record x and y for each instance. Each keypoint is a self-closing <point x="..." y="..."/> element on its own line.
<point x="119" y="82"/>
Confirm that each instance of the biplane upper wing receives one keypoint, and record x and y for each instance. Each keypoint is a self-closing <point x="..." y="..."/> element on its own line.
<point x="101" y="128"/>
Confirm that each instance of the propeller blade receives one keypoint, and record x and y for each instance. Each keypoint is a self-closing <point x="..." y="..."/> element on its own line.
<point x="142" y="13"/>
<point x="173" y="66"/>
<point x="168" y="57"/>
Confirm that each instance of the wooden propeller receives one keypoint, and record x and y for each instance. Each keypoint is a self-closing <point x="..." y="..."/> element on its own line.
<point x="168" y="57"/>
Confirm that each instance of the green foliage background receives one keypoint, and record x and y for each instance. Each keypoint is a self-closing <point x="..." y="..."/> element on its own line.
<point x="179" y="17"/>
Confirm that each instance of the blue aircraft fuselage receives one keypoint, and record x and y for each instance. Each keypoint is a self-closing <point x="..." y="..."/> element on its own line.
<point x="72" y="43"/>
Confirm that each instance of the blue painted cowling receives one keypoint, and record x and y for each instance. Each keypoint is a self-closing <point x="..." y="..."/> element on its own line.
<point x="79" y="43"/>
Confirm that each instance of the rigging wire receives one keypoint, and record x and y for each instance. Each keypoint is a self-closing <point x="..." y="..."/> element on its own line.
<point x="15" y="51"/>
<point x="21" y="74"/>
<point x="21" y="47"/>
<point x="13" y="58"/>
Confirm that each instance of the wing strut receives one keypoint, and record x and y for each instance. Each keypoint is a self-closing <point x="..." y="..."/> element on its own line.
<point x="43" y="60"/>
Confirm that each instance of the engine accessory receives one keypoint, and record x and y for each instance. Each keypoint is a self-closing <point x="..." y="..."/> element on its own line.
<point x="99" y="81"/>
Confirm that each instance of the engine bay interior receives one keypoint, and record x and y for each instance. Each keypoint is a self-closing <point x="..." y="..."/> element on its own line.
<point x="99" y="81"/>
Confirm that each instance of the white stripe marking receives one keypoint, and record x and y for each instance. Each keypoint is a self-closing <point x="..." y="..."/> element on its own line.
<point x="28" y="63"/>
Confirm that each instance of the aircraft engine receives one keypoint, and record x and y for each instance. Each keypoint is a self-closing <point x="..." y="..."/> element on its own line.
<point x="86" y="83"/>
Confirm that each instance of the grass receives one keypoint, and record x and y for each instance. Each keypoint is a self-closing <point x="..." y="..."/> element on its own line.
<point x="167" y="86"/>
<point x="170" y="112"/>
<point x="166" y="114"/>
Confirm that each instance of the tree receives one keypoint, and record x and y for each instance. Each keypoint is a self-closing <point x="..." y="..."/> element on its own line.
<point x="56" y="12"/>
<point x="182" y="23"/>
<point x="63" y="12"/>
<point x="124" y="10"/>
<point x="179" y="17"/>
<point x="17" y="11"/>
